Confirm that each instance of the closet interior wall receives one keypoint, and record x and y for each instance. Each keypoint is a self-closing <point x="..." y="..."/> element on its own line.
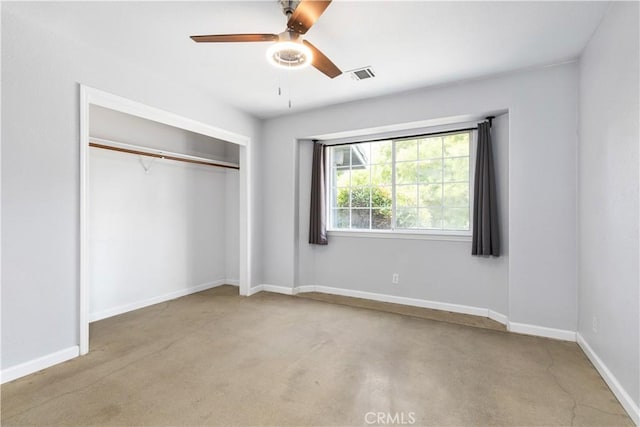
<point x="158" y="228"/>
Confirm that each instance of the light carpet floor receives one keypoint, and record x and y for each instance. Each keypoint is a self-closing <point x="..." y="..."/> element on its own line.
<point x="215" y="358"/>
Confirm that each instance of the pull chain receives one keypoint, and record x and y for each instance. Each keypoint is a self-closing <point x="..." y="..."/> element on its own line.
<point x="288" y="85"/>
<point x="289" y="81"/>
<point x="279" y="84"/>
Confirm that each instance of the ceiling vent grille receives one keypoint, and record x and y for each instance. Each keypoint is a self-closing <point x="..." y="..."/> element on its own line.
<point x="362" y="73"/>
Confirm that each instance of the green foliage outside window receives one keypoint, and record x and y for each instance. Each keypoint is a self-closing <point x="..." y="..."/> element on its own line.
<point x="376" y="199"/>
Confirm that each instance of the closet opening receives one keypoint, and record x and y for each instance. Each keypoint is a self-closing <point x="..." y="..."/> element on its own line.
<point x="163" y="208"/>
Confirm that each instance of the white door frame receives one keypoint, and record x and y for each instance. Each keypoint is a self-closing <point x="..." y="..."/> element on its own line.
<point x="90" y="96"/>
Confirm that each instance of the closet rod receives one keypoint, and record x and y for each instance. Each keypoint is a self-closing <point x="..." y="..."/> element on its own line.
<point x="151" y="152"/>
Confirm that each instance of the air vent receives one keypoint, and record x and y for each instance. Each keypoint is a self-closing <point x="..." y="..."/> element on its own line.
<point x="362" y="73"/>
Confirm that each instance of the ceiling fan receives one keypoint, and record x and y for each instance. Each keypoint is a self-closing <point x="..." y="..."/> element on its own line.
<point x="290" y="50"/>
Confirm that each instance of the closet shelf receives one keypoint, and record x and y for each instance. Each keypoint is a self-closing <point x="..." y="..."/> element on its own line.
<point x="160" y="154"/>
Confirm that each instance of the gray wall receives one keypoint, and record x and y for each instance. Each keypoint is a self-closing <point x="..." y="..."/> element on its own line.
<point x="609" y="299"/>
<point x="41" y="72"/>
<point x="542" y="105"/>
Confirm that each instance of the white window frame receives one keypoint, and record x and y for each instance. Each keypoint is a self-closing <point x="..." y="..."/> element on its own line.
<point x="426" y="234"/>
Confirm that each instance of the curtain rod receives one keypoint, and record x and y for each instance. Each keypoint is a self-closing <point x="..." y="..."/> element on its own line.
<point x="444" y="132"/>
<point x="159" y="154"/>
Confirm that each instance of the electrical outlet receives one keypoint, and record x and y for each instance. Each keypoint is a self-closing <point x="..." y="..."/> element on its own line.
<point x="594" y="324"/>
<point x="395" y="279"/>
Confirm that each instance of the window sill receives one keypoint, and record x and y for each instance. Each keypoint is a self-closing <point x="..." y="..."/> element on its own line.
<point x="413" y="235"/>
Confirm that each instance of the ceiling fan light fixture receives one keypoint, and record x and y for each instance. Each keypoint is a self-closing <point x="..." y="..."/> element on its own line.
<point x="289" y="54"/>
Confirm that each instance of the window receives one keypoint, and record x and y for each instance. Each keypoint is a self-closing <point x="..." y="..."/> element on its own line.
<point x="418" y="183"/>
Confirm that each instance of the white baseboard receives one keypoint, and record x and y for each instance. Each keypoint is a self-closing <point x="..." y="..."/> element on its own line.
<point x="542" y="331"/>
<point x="271" y="288"/>
<point x="625" y="400"/>
<point x="38" y="364"/>
<point x="232" y="282"/>
<point x="520" y="328"/>
<point x="498" y="317"/>
<point x="254" y="290"/>
<point x="103" y="314"/>
<point x="277" y="289"/>
<point x="414" y="302"/>
<point x="302" y="289"/>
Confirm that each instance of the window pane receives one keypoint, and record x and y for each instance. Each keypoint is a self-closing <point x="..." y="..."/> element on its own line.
<point x="361" y="197"/>
<point x="456" y="195"/>
<point x="430" y="171"/>
<point x="406" y="217"/>
<point x="381" y="197"/>
<point x="456" y="145"/>
<point x="406" y="173"/>
<point x="456" y="218"/>
<point x="431" y="218"/>
<point x="343" y="177"/>
<point x="381" y="152"/>
<point x="456" y="169"/>
<point x="333" y="201"/>
<point x="360" y="176"/>
<point x="381" y="219"/>
<point x="341" y="156"/>
<point x="431" y="184"/>
<point x="431" y="148"/>
<point x="430" y="195"/>
<point x="342" y="198"/>
<point x="360" y="154"/>
<point x="406" y="195"/>
<point x="340" y="218"/>
<point x="360" y="218"/>
<point x="381" y="174"/>
<point x="406" y="150"/>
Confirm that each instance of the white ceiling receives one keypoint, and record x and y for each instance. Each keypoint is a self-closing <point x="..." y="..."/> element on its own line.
<point x="408" y="44"/>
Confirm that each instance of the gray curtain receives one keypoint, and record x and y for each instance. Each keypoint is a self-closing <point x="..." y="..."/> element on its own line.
<point x="486" y="239"/>
<point x="318" y="215"/>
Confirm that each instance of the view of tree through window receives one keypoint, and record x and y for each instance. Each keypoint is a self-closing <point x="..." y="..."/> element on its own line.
<point x="417" y="183"/>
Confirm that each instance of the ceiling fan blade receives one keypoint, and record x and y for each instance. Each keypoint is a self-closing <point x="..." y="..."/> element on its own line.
<point x="322" y="63"/>
<point x="233" y="38"/>
<point x="306" y="14"/>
